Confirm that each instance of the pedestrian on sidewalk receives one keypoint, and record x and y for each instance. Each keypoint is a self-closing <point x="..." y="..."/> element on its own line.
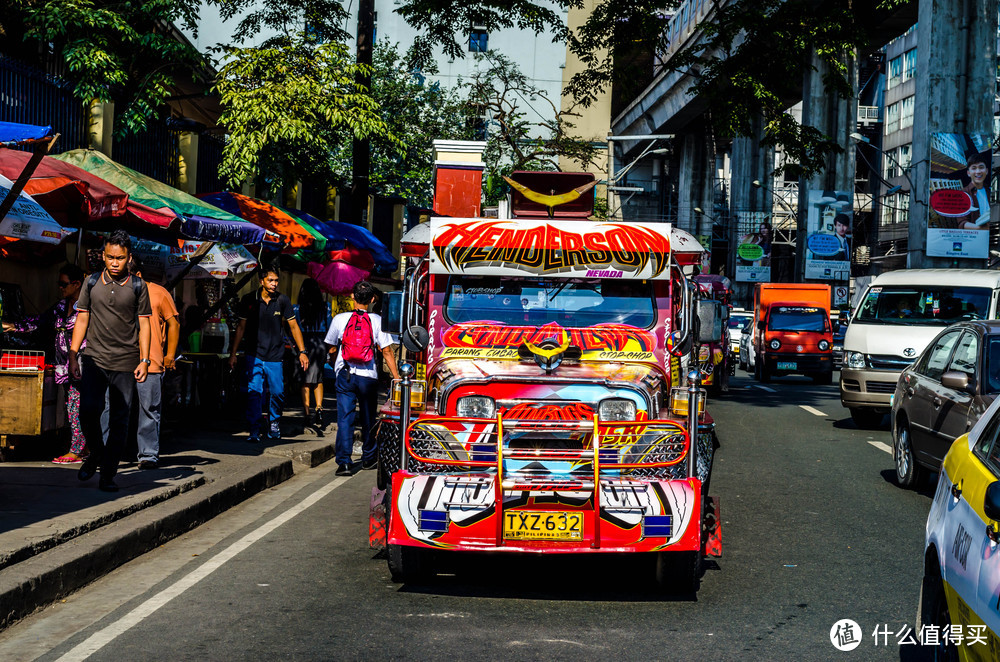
<point x="164" y="333"/>
<point x="262" y="317"/>
<point x="113" y="317"/>
<point x="57" y="325"/>
<point x="314" y="322"/>
<point x="353" y="336"/>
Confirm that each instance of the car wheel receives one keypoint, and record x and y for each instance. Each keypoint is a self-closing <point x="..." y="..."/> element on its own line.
<point x="934" y="613"/>
<point x="743" y="361"/>
<point x="866" y="419"/>
<point x="406" y="564"/>
<point x="907" y="470"/>
<point x="678" y="573"/>
<point x="765" y="374"/>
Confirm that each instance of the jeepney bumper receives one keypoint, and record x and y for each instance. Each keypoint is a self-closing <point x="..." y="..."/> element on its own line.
<point x="799" y="363"/>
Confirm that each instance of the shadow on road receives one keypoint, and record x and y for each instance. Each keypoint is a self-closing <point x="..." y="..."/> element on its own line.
<point x="582" y="577"/>
<point x="926" y="487"/>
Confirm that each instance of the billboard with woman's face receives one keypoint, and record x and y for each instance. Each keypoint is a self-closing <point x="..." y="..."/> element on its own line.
<point x="828" y="242"/>
<point x="753" y="250"/>
<point x="959" y="203"/>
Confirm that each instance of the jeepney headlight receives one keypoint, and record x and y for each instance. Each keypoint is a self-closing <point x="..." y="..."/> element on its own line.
<point x="823" y="345"/>
<point x="476" y="406"/>
<point x="616" y="409"/>
<point x="854" y="359"/>
<point x="775" y="344"/>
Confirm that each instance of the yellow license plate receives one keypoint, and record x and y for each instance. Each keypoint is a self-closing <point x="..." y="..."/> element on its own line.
<point x="542" y="525"/>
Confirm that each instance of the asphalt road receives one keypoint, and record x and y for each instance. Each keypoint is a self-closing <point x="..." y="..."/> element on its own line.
<point x="814" y="530"/>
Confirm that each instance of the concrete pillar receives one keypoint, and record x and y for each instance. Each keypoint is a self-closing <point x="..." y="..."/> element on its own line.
<point x="102" y="127"/>
<point x="956" y="82"/>
<point x="834" y="117"/>
<point x="187" y="162"/>
<point x="751" y="161"/>
<point x="691" y="178"/>
<point x="293" y="196"/>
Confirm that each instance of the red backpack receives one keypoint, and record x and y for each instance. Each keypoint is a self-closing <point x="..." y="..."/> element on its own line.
<point x="356" y="345"/>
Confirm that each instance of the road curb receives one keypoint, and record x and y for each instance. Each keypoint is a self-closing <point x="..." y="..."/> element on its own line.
<point x="57" y="572"/>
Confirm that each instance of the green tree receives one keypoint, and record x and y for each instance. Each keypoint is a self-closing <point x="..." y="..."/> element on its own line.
<point x="416" y="111"/>
<point x="519" y="138"/>
<point x="115" y="50"/>
<point x="286" y="106"/>
<point x="754" y="52"/>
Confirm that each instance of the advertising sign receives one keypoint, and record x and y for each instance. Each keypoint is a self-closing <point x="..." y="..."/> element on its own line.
<point x="753" y="250"/>
<point x="828" y="240"/>
<point x="959" y="206"/>
<point x="565" y="249"/>
<point x="163" y="262"/>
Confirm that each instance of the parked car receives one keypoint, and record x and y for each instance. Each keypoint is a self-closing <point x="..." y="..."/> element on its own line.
<point x="837" y="349"/>
<point x="942" y="394"/>
<point x="737" y="320"/>
<point x="961" y="563"/>
<point x="746" y="345"/>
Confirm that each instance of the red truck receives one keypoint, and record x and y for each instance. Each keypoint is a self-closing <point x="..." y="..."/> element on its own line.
<point x="792" y="333"/>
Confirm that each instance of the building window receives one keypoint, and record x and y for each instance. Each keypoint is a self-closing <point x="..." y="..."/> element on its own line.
<point x="895" y="72"/>
<point x="892" y="119"/>
<point x="891" y="169"/>
<point x="904" y="157"/>
<point x="910" y="64"/>
<point x="479" y="41"/>
<point x="906" y="112"/>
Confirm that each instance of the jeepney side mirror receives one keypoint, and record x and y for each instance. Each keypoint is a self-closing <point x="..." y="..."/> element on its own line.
<point x="760" y="325"/>
<point x="392" y="313"/>
<point x="415" y="339"/>
<point x="709" y="321"/>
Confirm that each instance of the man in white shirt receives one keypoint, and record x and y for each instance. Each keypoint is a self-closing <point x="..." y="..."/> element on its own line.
<point x="357" y="381"/>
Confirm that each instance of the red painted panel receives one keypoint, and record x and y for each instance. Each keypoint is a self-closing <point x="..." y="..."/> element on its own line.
<point x="458" y="192"/>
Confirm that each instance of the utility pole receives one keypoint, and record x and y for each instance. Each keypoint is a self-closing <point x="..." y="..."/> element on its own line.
<point x="361" y="152"/>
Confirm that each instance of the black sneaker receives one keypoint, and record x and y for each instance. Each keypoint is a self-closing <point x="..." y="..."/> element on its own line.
<point x="148" y="464"/>
<point x="318" y="419"/>
<point x="368" y="465"/>
<point x="87" y="471"/>
<point x="345" y="470"/>
<point x="107" y="485"/>
<point x="254" y="438"/>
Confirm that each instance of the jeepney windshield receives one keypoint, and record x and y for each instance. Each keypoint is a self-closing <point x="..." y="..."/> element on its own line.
<point x="540" y="301"/>
<point x="794" y="318"/>
<point x="934" y="305"/>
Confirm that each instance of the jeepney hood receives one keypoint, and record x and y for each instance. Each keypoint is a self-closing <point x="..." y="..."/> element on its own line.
<point x="524" y="384"/>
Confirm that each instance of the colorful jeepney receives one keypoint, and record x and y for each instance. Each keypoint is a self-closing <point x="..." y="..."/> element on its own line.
<point x="717" y="354"/>
<point x="546" y="412"/>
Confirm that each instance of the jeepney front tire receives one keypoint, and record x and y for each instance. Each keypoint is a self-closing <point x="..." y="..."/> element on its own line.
<point x="678" y="572"/>
<point x="408" y="564"/>
<point x="866" y="419"/>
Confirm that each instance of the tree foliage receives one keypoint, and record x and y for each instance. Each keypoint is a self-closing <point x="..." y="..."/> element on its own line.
<point x="751" y="55"/>
<point x="286" y="106"/>
<point x="115" y="50"/>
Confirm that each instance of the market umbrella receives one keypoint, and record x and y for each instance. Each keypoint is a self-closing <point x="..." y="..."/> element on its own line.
<point x="197" y="219"/>
<point x="337" y="278"/>
<point x="352" y="239"/>
<point x="162" y="262"/>
<point x="15" y="134"/>
<point x="27" y="220"/>
<point x="296" y="234"/>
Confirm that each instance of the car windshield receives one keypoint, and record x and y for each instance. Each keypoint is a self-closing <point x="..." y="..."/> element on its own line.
<point x="932" y="305"/>
<point x="539" y="301"/>
<point x="795" y="318"/>
<point x="737" y="322"/>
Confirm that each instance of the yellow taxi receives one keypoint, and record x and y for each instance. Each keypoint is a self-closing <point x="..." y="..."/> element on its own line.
<point x="959" y="610"/>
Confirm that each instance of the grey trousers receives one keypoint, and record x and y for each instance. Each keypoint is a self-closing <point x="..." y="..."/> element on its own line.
<point x="147" y="433"/>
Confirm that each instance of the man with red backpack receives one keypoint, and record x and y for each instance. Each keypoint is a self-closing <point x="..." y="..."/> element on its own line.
<point x="357" y="334"/>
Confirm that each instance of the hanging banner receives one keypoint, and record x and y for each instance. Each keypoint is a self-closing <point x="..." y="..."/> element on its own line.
<point x="959" y="205"/>
<point x="164" y="262"/>
<point x="753" y="252"/>
<point x="828" y="240"/>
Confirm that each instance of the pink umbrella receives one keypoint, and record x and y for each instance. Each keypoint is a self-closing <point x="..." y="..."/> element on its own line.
<point x="337" y="278"/>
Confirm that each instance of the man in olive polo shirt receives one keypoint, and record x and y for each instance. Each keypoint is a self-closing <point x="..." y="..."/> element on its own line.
<point x="113" y="316"/>
<point x="262" y="316"/>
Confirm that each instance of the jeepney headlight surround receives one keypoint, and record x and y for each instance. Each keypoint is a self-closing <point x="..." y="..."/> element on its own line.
<point x="616" y="409"/>
<point x="476" y="406"/>
<point x="823" y="345"/>
<point x="775" y="344"/>
<point x="854" y="359"/>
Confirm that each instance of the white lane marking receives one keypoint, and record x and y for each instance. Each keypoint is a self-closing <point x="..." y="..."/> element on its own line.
<point x="813" y="411"/>
<point x="882" y="446"/>
<point x="100" y="639"/>
<point x="764" y="388"/>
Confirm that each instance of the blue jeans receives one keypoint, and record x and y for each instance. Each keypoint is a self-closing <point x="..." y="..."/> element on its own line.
<point x="361" y="391"/>
<point x="261" y="375"/>
<point x="147" y="434"/>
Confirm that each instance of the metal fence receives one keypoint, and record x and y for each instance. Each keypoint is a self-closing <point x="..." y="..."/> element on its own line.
<point x="30" y="96"/>
<point x="154" y="152"/>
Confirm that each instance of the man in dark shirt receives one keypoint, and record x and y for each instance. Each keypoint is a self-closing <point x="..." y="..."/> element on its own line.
<point x="262" y="315"/>
<point x="113" y="316"/>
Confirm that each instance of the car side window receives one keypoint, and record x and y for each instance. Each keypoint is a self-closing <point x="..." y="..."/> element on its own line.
<point x="966" y="355"/>
<point x="987" y="448"/>
<point x="934" y="363"/>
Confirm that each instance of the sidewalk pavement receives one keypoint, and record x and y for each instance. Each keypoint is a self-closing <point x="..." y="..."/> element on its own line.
<point x="58" y="534"/>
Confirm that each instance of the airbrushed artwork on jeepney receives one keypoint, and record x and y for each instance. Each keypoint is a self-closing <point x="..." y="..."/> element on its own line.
<point x="459" y="512"/>
<point x="550" y="248"/>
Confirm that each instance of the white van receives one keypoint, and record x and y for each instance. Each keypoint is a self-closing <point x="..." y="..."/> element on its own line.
<point x="899" y="314"/>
